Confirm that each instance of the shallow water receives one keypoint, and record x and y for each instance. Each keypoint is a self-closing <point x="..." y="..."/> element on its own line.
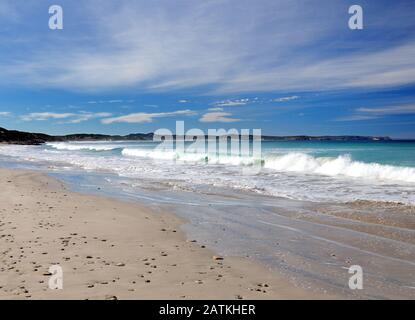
<point x="312" y="245"/>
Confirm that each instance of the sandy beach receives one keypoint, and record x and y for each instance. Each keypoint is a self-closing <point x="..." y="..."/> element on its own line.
<point x="109" y="249"/>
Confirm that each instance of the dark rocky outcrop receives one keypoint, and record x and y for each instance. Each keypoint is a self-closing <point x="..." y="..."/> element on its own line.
<point x="18" y="137"/>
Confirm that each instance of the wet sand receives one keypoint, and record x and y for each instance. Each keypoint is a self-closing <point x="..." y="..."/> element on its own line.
<point x="110" y="249"/>
<point x="315" y="244"/>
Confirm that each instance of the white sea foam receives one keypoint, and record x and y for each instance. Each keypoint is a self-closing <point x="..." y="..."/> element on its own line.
<point x="162" y="155"/>
<point x="78" y="147"/>
<point x="293" y="162"/>
<point x="295" y="175"/>
<point x="191" y="157"/>
<point x="339" y="166"/>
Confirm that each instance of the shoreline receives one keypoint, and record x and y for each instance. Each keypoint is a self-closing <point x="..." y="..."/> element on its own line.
<point x="113" y="249"/>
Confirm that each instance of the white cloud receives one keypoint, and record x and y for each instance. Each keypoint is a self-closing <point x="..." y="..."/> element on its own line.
<point x="231" y="103"/>
<point x="215" y="109"/>
<point x="42" y="116"/>
<point x="404" y="109"/>
<point x="73" y="117"/>
<point x="85" y="116"/>
<point x="218" y="117"/>
<point x="5" y="114"/>
<point x="143" y="117"/>
<point x="232" y="48"/>
<point x="355" y="117"/>
<point x="379" y="69"/>
<point x="106" y="101"/>
<point x="378" y="112"/>
<point x="286" y="99"/>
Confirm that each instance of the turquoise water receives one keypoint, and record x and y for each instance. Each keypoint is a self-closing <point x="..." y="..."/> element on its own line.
<point x="395" y="153"/>
<point x="312" y="171"/>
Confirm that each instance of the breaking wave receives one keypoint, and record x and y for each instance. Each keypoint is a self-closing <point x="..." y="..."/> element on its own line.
<point x="80" y="147"/>
<point x="192" y="157"/>
<point x="292" y="162"/>
<point x="339" y="166"/>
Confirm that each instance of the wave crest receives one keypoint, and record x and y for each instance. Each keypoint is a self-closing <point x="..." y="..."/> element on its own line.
<point x="340" y="166"/>
<point x="79" y="147"/>
<point x="291" y="162"/>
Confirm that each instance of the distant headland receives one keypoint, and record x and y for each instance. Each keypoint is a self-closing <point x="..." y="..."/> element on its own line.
<point x="29" y="138"/>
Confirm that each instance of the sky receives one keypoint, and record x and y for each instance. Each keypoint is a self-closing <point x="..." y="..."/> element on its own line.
<point x="288" y="67"/>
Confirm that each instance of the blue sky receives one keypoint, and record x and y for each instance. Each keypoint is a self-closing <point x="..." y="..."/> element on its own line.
<point x="287" y="67"/>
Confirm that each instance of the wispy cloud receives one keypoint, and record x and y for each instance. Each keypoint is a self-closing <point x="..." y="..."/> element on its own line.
<point x="218" y="117"/>
<point x="72" y="117"/>
<point x="86" y="116"/>
<point x="283" y="99"/>
<point x="42" y="116"/>
<point x="403" y="109"/>
<point x="356" y="117"/>
<point x="258" y="46"/>
<point x="231" y="103"/>
<point x="216" y="109"/>
<point x="5" y="114"/>
<point x="378" y="112"/>
<point x="143" y="117"/>
<point x="106" y="101"/>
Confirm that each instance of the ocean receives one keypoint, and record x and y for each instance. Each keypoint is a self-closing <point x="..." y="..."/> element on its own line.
<point x="313" y="210"/>
<point x="312" y="171"/>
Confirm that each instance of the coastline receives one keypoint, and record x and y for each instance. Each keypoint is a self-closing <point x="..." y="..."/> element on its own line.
<point x="112" y="249"/>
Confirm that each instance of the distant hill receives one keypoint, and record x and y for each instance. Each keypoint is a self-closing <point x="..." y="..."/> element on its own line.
<point x="324" y="138"/>
<point x="28" y="138"/>
<point x="18" y="137"/>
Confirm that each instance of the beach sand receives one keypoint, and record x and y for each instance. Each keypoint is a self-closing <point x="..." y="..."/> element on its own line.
<point x="111" y="249"/>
